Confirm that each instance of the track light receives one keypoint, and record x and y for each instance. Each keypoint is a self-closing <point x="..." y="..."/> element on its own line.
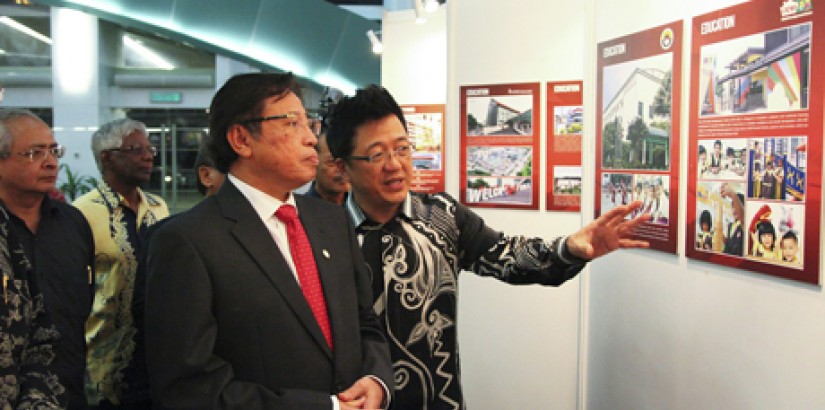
<point x="148" y="54"/>
<point x="419" y="11"/>
<point x="377" y="47"/>
<point x="24" y="29"/>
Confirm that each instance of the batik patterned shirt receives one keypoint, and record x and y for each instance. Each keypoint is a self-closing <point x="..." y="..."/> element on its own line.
<point x="27" y="336"/>
<point x="415" y="259"/>
<point x="110" y="330"/>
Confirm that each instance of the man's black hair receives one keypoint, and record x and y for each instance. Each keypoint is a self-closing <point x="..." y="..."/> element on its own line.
<point x="243" y="97"/>
<point x="369" y="104"/>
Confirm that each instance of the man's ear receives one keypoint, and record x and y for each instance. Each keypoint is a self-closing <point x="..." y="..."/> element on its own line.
<point x="239" y="138"/>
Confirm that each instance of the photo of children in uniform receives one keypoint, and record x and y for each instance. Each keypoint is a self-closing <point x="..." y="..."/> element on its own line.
<point x="775" y="232"/>
<point x="778" y="168"/>
<point x="720" y="213"/>
<point x="500" y="115"/>
<point x="723" y="159"/>
<point x="654" y="192"/>
<point x="617" y="190"/>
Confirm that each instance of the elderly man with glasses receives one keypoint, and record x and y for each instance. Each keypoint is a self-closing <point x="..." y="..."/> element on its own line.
<point x="46" y="257"/>
<point x="118" y="210"/>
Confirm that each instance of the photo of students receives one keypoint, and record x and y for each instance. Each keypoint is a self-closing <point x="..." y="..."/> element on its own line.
<point x="775" y="232"/>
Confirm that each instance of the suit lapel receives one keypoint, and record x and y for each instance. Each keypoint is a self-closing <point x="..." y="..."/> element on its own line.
<point x="253" y="236"/>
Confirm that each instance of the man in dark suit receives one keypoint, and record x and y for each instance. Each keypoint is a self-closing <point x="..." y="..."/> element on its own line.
<point x="235" y="318"/>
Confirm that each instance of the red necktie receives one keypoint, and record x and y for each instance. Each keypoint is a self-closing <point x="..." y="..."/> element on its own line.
<point x="301" y="253"/>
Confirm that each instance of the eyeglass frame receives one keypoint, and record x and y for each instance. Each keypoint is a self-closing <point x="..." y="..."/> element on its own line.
<point x="310" y="119"/>
<point x="136" y="149"/>
<point x="377" y="157"/>
<point x="57" y="151"/>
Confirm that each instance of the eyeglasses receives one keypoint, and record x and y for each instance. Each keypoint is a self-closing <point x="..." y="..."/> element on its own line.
<point x="312" y="123"/>
<point x="136" y="150"/>
<point x="40" y="154"/>
<point x="380" y="157"/>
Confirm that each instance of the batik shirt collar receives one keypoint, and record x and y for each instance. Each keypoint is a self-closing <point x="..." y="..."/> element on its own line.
<point x="357" y="214"/>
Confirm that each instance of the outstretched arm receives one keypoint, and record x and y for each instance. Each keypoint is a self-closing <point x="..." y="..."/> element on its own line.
<point x="609" y="232"/>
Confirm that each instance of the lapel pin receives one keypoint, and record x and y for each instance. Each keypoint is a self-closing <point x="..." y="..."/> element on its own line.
<point x="326" y="254"/>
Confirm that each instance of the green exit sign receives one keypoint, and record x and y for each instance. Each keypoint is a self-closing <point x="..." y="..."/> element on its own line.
<point x="166" y="97"/>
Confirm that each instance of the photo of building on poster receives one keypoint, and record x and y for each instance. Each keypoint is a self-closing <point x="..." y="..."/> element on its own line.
<point x="567" y="181"/>
<point x="500" y="115"/>
<point x="636" y="114"/>
<point x="763" y="72"/>
<point x="500" y="175"/>
<point x="567" y="120"/>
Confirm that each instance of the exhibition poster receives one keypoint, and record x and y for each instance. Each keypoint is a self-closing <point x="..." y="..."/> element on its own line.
<point x="637" y="129"/>
<point x="425" y="125"/>
<point x="754" y="198"/>
<point x="500" y="138"/>
<point x="564" y="145"/>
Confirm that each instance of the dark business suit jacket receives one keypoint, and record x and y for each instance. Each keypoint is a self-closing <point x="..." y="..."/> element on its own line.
<point x="227" y="326"/>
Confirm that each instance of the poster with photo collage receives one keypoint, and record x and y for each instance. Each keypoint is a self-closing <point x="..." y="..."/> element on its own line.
<point x="755" y="146"/>
<point x="637" y="129"/>
<point x="500" y="138"/>
<point x="565" y="127"/>
<point x="425" y="125"/>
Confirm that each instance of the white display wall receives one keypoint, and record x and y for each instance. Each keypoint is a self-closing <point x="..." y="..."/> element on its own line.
<point x="668" y="333"/>
<point x="650" y="330"/>
<point x="519" y="344"/>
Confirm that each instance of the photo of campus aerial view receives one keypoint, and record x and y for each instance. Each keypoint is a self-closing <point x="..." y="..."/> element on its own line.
<point x="499" y="161"/>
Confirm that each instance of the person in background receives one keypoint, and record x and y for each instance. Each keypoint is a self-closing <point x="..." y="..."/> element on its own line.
<point x="55" y="237"/>
<point x="330" y="183"/>
<point x="209" y="178"/>
<point x="118" y="210"/>
<point x="27" y="337"/>
<point x="257" y="298"/>
<point x="416" y="244"/>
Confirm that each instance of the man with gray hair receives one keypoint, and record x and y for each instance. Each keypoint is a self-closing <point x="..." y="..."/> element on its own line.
<point x="48" y="248"/>
<point x="118" y="210"/>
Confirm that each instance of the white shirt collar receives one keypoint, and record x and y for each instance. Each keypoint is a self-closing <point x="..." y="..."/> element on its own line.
<point x="264" y="204"/>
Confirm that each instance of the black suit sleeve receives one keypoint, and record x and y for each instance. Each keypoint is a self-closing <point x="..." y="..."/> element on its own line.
<point x="181" y="332"/>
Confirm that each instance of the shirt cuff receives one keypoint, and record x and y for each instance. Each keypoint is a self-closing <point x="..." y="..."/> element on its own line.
<point x="386" y="403"/>
<point x="566" y="256"/>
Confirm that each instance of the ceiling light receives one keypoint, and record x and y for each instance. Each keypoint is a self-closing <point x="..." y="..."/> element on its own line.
<point x="419" y="12"/>
<point x="24" y="29"/>
<point x="430" y="6"/>
<point x="148" y="54"/>
<point x="377" y="47"/>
